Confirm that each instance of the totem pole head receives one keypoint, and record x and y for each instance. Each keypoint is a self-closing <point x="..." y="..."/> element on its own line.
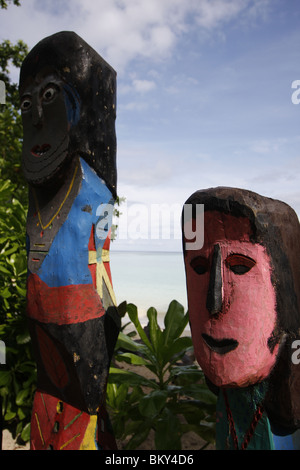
<point x="243" y="285"/>
<point x="68" y="98"/>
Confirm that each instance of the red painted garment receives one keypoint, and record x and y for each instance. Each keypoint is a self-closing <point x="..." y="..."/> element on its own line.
<point x="62" y="305"/>
<point x="56" y="425"/>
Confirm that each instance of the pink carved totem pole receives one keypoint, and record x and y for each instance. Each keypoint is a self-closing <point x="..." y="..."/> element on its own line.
<point x="243" y="288"/>
<point x="68" y="96"/>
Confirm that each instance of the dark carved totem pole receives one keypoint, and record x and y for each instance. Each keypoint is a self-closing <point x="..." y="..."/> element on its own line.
<point x="243" y="289"/>
<point x="68" y="96"/>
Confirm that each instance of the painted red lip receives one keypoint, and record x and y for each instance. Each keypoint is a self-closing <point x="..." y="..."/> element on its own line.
<point x="220" y="346"/>
<point x="40" y="150"/>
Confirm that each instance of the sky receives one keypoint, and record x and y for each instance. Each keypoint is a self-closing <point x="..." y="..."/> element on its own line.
<point x="205" y="98"/>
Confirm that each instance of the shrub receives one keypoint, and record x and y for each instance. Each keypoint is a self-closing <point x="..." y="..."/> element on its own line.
<point x="18" y="375"/>
<point x="175" y="401"/>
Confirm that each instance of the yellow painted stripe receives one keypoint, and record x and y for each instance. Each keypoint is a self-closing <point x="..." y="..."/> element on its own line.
<point x="39" y="428"/>
<point x="105" y="256"/>
<point x="88" y="442"/>
<point x="93" y="256"/>
<point x="102" y="274"/>
<point x="59" y="209"/>
<point x="68" y="442"/>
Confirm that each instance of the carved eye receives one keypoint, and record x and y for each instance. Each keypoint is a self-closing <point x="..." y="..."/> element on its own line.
<point x="239" y="264"/>
<point x="26" y="103"/>
<point x="200" y="265"/>
<point x="49" y="93"/>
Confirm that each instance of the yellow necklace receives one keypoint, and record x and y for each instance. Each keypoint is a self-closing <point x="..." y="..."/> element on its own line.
<point x="60" y="207"/>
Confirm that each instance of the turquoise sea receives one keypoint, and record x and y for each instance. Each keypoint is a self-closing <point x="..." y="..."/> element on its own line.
<point x="148" y="279"/>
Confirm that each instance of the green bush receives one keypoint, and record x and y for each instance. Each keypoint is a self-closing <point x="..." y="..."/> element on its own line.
<point x="175" y="401"/>
<point x="18" y="375"/>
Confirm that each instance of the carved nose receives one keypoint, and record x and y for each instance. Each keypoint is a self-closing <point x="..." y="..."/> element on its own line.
<point x="215" y="289"/>
<point x="37" y="115"/>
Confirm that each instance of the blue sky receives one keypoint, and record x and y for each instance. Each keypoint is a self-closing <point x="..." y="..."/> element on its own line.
<point x="204" y="95"/>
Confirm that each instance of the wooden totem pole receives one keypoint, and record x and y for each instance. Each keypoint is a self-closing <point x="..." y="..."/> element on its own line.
<point x="68" y="95"/>
<point x="243" y="290"/>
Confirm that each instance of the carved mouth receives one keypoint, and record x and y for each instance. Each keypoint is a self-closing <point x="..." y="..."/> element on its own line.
<point x="40" y="150"/>
<point x="220" y="346"/>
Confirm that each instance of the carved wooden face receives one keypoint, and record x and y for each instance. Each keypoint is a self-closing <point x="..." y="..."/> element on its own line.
<point x="232" y="303"/>
<point x="46" y="126"/>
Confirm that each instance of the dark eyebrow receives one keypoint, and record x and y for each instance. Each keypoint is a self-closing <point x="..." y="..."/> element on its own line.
<point x="26" y="94"/>
<point x="56" y="85"/>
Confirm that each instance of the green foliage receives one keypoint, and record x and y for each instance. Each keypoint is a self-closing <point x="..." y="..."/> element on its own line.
<point x="11" y="149"/>
<point x="116" y="213"/>
<point x="11" y="131"/>
<point x="4" y="3"/>
<point x="11" y="54"/>
<point x="175" y="401"/>
<point x="18" y="376"/>
<point x="13" y="265"/>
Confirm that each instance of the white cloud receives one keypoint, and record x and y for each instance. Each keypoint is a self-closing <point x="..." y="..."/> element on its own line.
<point x="134" y="106"/>
<point x="123" y="30"/>
<point x="129" y="30"/>
<point x="210" y="14"/>
<point x="143" y="86"/>
<point x="265" y="147"/>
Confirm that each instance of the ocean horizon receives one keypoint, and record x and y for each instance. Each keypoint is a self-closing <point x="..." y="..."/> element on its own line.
<point x="148" y="279"/>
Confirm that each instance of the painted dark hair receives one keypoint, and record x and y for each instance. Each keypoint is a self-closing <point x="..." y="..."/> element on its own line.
<point x="275" y="225"/>
<point x="94" y="81"/>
